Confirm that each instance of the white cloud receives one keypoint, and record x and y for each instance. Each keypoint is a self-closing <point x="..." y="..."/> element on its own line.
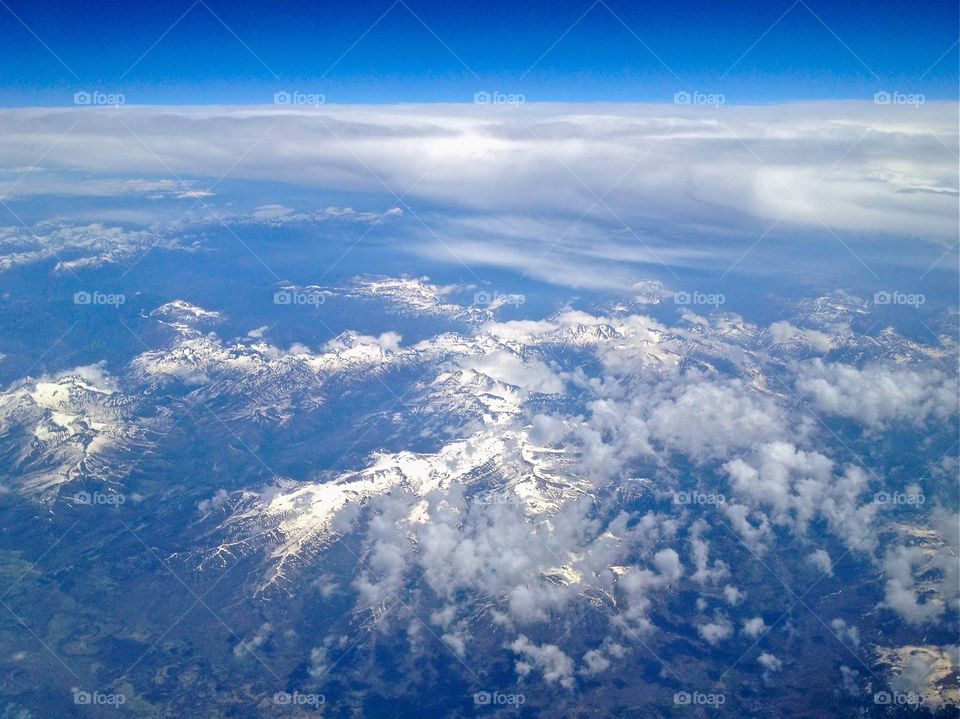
<point x="785" y="333"/>
<point x="501" y="173"/>
<point x="217" y="501"/>
<point x="901" y="593"/>
<point x="769" y="662"/>
<point x="711" y="419"/>
<point x="821" y="560"/>
<point x="732" y="595"/>
<point x="637" y="585"/>
<point x="846" y="632"/>
<point x="594" y="663"/>
<point x="548" y="659"/>
<point x="754" y="627"/>
<point x="878" y="394"/>
<point x="715" y="632"/>
<point x="251" y="645"/>
<point x="527" y="373"/>
<point x="796" y="485"/>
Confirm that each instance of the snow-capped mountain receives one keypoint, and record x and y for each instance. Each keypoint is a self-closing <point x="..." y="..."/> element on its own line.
<point x="72" y="426"/>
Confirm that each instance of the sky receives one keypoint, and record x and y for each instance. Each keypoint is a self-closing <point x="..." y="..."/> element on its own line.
<point x="613" y="134"/>
<point x="398" y="51"/>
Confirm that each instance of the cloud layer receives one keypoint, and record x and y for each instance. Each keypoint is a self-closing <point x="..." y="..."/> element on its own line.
<point x="589" y="181"/>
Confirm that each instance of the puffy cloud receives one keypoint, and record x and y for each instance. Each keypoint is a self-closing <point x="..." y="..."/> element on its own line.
<point x="821" y="561"/>
<point x="251" y="645"/>
<point x="548" y="659"/>
<point x="217" y="501"/>
<point x="732" y="595"/>
<point x="715" y="632"/>
<point x="796" y="486"/>
<point x="385" y="342"/>
<point x="876" y="395"/>
<point x="754" y="627"/>
<point x="786" y="333"/>
<point x="527" y="373"/>
<point x="456" y="642"/>
<point x="769" y="663"/>
<point x="782" y="478"/>
<point x="594" y="663"/>
<point x="712" y="419"/>
<point x="847" y="633"/>
<point x="704" y="573"/>
<point x="318" y="663"/>
<point x="389" y="553"/>
<point x="901" y="593"/>
<point x="638" y="584"/>
<point x="753" y="527"/>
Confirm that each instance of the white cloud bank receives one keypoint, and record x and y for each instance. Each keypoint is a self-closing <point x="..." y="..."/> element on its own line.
<point x="850" y="165"/>
<point x="877" y="394"/>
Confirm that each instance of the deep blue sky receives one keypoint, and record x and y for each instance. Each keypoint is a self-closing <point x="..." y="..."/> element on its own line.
<point x="860" y="46"/>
